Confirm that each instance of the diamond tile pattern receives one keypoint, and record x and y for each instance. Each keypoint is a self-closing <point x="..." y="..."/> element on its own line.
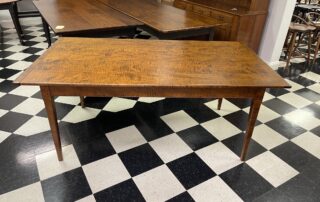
<point x="154" y="149"/>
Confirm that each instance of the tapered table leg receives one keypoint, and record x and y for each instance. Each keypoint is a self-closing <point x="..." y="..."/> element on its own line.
<point x="52" y="116"/>
<point x="253" y="114"/>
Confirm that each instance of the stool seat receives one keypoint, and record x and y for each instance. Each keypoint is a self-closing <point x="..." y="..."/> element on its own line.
<point x="301" y="27"/>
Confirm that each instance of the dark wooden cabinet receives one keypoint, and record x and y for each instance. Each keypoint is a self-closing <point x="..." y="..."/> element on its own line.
<point x="245" y="19"/>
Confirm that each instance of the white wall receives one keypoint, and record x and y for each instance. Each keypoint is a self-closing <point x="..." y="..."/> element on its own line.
<point x="278" y="21"/>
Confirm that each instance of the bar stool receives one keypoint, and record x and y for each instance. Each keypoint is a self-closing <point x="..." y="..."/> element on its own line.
<point x="301" y="29"/>
<point x="314" y="19"/>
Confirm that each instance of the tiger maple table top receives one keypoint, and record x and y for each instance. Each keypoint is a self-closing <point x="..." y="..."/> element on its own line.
<point x="150" y="63"/>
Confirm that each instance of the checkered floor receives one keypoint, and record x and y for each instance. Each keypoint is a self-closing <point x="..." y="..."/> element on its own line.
<point x="154" y="149"/>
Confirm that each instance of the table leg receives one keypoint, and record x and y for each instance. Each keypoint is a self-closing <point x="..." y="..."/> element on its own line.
<point x="219" y="103"/>
<point x="253" y="114"/>
<point x="82" y="101"/>
<point x="14" y="15"/>
<point x="46" y="31"/>
<point x="52" y="116"/>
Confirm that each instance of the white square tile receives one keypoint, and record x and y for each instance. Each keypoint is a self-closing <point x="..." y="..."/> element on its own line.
<point x="178" y="121"/>
<point x="295" y="100"/>
<point x="267" y="137"/>
<point x="315" y="87"/>
<point x="158" y="184"/>
<point x="303" y="118"/>
<point x="272" y="168"/>
<point x="294" y="86"/>
<point x="309" y="142"/>
<point x="226" y="107"/>
<point x="20" y="65"/>
<point x="31" y="106"/>
<point x="214" y="189"/>
<point x="221" y="128"/>
<point x="49" y="165"/>
<point x="16" y="48"/>
<point x="4" y="135"/>
<point x="79" y="114"/>
<point x="312" y="76"/>
<point x="117" y="104"/>
<point x="150" y="99"/>
<point x="26" y="91"/>
<point x="18" y="56"/>
<point x="15" y="76"/>
<point x="33" y="126"/>
<point x="125" y="138"/>
<point x="71" y="100"/>
<point x="105" y="173"/>
<point x="218" y="157"/>
<point x="265" y="114"/>
<point x="267" y="96"/>
<point x="32" y="192"/>
<point x="170" y="147"/>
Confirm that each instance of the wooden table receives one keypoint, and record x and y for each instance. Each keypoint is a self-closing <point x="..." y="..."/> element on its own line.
<point x="11" y="5"/>
<point x="125" y="68"/>
<point x="165" y="21"/>
<point x="84" y="18"/>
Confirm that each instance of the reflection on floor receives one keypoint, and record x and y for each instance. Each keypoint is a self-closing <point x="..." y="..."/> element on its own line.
<point x="155" y="149"/>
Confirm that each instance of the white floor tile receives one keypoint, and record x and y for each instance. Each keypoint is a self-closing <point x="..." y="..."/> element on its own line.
<point x="26" y="91"/>
<point x="30" y="193"/>
<point x="315" y="87"/>
<point x="4" y="135"/>
<point x="117" y="104"/>
<point x="49" y="165"/>
<point x="31" y="106"/>
<point x="303" y="118"/>
<point x="158" y="184"/>
<point x="33" y="126"/>
<point x="265" y="114"/>
<point x="294" y="86"/>
<point x="312" y="76"/>
<point x="79" y="114"/>
<point x="15" y="76"/>
<point x="226" y="107"/>
<point x="18" y="56"/>
<point x="309" y="142"/>
<point x="267" y="96"/>
<point x="178" y="121"/>
<point x="71" y="100"/>
<point x="272" y="168"/>
<point x="267" y="137"/>
<point x="221" y="128"/>
<point x="16" y="48"/>
<point x="295" y="100"/>
<point x="214" y="189"/>
<point x="150" y="99"/>
<point x="218" y="157"/>
<point x="105" y="173"/>
<point x="125" y="138"/>
<point x="170" y="147"/>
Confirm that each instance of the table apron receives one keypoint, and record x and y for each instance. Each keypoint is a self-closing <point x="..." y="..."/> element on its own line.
<point x="170" y="92"/>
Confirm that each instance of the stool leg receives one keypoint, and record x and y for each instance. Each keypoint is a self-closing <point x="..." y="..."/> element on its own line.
<point x="316" y="51"/>
<point x="309" y="46"/>
<point x="291" y="47"/>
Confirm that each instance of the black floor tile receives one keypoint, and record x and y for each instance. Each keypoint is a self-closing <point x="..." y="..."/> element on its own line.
<point x="125" y="191"/>
<point x="31" y="58"/>
<point x="190" y="170"/>
<point x="201" y="113"/>
<point x="277" y="91"/>
<point x="308" y="94"/>
<point x="273" y="196"/>
<point x="4" y="54"/>
<point x="285" y="128"/>
<point x="9" y="101"/>
<point x="235" y="144"/>
<point x="316" y="131"/>
<point x="6" y="62"/>
<point x="69" y="186"/>
<point x="140" y="159"/>
<point x="32" y="50"/>
<point x="279" y="106"/>
<point x="239" y="119"/>
<point x="197" y="137"/>
<point x="246" y="182"/>
<point x="314" y="109"/>
<point x="185" y="197"/>
<point x="11" y="121"/>
<point x="62" y="110"/>
<point x="7" y="86"/>
<point x="7" y="73"/>
<point x="96" y="102"/>
<point x="303" y="81"/>
<point x="241" y="103"/>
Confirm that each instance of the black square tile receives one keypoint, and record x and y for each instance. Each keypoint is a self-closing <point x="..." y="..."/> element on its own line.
<point x="32" y="50"/>
<point x="140" y="159"/>
<point x="312" y="172"/>
<point x="4" y="54"/>
<point x="277" y="91"/>
<point x="190" y="170"/>
<point x="285" y="128"/>
<point x="96" y="102"/>
<point x="308" y="94"/>
<point x="31" y="58"/>
<point x="9" y="101"/>
<point x="62" y="110"/>
<point x="7" y="62"/>
<point x="300" y="188"/>
<point x="11" y="121"/>
<point x="241" y="103"/>
<point x="303" y="81"/>
<point x="185" y="197"/>
<point x="313" y="109"/>
<point x="316" y="131"/>
<point x="30" y="43"/>
<point x="197" y="137"/>
<point x="279" y="106"/>
<point x="201" y="113"/>
<point x="69" y="186"/>
<point x="7" y="86"/>
<point x="273" y="195"/>
<point x="239" y="119"/>
<point x="246" y="182"/>
<point x="7" y="73"/>
<point x="4" y="46"/>
<point x="294" y="155"/>
<point x="38" y="95"/>
<point x="125" y="191"/>
<point x="235" y="144"/>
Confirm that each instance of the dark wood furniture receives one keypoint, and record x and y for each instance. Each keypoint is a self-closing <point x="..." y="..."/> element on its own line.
<point x="165" y="21"/>
<point x="27" y="9"/>
<point x="11" y="5"/>
<point x="89" y="18"/>
<point x="136" y="68"/>
<point x="245" y="18"/>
